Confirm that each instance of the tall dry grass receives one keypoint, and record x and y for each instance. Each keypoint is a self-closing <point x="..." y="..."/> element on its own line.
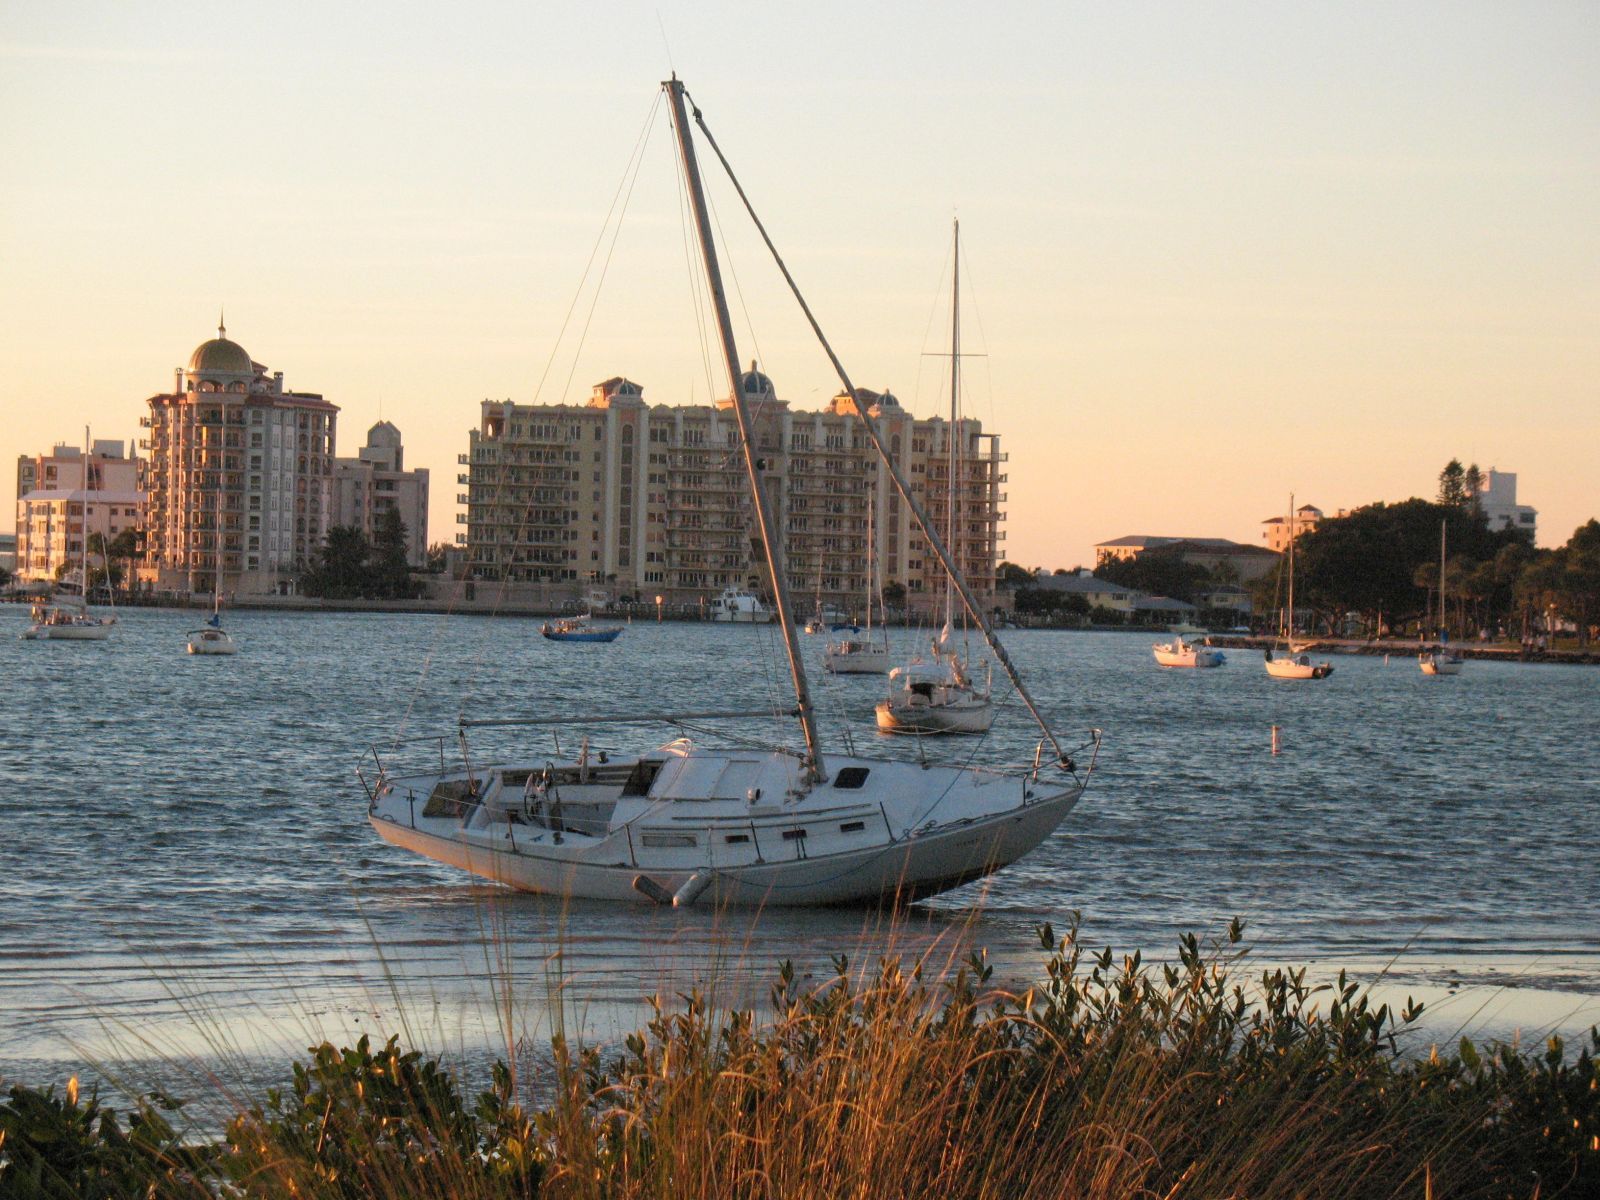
<point x="1110" y="1078"/>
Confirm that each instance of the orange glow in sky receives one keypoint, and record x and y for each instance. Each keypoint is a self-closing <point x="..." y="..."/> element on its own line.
<point x="1215" y="253"/>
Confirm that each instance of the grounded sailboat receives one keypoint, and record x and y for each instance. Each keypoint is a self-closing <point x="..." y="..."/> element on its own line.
<point x="743" y="825"/>
<point x="1296" y="664"/>
<point x="68" y="619"/>
<point x="940" y="696"/>
<point x="1442" y="660"/>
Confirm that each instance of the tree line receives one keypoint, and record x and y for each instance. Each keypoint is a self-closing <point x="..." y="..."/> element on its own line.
<point x="1375" y="570"/>
<point x="348" y="566"/>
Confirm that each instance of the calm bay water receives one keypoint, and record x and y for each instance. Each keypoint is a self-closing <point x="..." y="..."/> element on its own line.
<point x="186" y="868"/>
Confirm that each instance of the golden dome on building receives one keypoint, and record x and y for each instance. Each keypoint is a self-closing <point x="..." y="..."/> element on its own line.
<point x="220" y="356"/>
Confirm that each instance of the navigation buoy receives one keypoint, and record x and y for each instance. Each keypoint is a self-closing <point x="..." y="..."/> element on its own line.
<point x="1275" y="740"/>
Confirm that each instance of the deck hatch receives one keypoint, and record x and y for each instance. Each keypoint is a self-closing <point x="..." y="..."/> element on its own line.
<point x="851" y="777"/>
<point x="852" y="826"/>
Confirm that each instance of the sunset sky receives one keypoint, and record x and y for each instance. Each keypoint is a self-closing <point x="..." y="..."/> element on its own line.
<point x="1215" y="253"/>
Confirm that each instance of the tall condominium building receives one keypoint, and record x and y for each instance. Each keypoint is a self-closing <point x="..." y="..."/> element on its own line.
<point x="653" y="500"/>
<point x="376" y="481"/>
<point x="239" y="476"/>
<point x="64" y="496"/>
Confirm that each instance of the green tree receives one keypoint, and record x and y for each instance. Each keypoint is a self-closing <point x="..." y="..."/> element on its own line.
<point x="1157" y="573"/>
<point x="1472" y="483"/>
<point x="1579" y="588"/>
<point x="390" y="573"/>
<point x="1010" y="575"/>
<point x="1369" y="561"/>
<point x="1452" y="485"/>
<point x="340" y="570"/>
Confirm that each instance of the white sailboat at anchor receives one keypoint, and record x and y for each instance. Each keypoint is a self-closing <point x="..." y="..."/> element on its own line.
<point x="940" y="696"/>
<point x="736" y="824"/>
<point x="67" y="618"/>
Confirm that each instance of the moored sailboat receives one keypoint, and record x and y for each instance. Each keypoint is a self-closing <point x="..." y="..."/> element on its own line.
<point x="67" y="618"/>
<point x="212" y="638"/>
<point x="751" y="826"/>
<point x="1441" y="660"/>
<point x="1295" y="663"/>
<point x="940" y="696"/>
<point x="856" y="651"/>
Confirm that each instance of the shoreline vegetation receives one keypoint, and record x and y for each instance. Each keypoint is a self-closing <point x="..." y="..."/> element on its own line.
<point x="1106" y="1078"/>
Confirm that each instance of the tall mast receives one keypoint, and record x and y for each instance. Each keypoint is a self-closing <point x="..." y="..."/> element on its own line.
<point x="872" y="551"/>
<point x="771" y="544"/>
<point x="83" y="565"/>
<point x="1441" y="582"/>
<point x="1288" y="619"/>
<point x="955" y="376"/>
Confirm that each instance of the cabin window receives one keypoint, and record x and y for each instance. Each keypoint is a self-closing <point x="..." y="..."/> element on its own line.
<point x="852" y="827"/>
<point x="737" y="839"/>
<point x="661" y="841"/>
<point x="851" y="777"/>
<point x="793" y="835"/>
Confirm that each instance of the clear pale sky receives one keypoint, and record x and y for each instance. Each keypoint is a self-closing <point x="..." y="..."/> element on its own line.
<point x="1217" y="252"/>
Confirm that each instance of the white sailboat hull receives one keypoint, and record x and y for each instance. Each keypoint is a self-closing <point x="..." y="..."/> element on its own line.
<point x="1298" y="668"/>
<point x="906" y="832"/>
<point x="86" y="632"/>
<point x="212" y="642"/>
<point x="856" y="659"/>
<point x="1183" y="655"/>
<point x="1440" y="664"/>
<point x="968" y="715"/>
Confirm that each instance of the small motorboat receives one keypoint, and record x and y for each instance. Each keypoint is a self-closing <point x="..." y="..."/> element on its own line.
<point x="1181" y="653"/>
<point x="1440" y="662"/>
<point x="578" y="629"/>
<point x="1296" y="666"/>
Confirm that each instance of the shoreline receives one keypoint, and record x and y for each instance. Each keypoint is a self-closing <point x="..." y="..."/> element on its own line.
<point x="474" y="606"/>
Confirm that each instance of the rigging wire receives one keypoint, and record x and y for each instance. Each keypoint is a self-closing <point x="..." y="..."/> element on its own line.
<point x="630" y="174"/>
<point x="620" y="197"/>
